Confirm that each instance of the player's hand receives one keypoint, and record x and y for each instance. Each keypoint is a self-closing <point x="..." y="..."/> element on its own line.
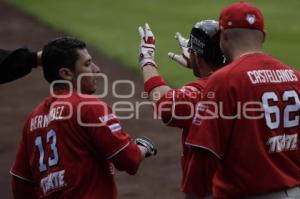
<point x="147" y="46"/>
<point x="147" y="144"/>
<point x="184" y="58"/>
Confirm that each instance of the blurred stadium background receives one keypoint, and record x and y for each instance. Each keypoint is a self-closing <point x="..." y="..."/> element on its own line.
<point x="110" y="27"/>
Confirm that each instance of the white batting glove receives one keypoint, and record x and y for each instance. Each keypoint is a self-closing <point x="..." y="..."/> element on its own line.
<point x="184" y="58"/>
<point x="147" y="46"/>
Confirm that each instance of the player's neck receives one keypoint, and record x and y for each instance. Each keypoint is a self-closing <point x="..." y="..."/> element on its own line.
<point x="237" y="50"/>
<point x="206" y="73"/>
<point x="205" y="70"/>
<point x="250" y="52"/>
<point x="243" y="53"/>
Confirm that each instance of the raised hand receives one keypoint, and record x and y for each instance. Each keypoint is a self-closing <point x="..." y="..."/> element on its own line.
<point x="184" y="58"/>
<point x="147" y="46"/>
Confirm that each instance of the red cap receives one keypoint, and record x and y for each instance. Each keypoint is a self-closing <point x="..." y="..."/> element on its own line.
<point x="241" y="15"/>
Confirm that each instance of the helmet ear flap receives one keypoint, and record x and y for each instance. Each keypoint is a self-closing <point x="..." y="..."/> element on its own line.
<point x="214" y="55"/>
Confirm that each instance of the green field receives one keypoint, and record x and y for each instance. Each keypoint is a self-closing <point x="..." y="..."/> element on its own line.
<point x="111" y="26"/>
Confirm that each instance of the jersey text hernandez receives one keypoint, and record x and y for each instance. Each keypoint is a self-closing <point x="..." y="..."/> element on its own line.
<point x="42" y="121"/>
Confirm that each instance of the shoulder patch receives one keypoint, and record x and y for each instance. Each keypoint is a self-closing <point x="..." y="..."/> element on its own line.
<point x="106" y="118"/>
<point x="115" y="127"/>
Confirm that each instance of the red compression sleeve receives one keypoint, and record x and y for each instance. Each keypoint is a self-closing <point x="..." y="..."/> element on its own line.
<point x="153" y="82"/>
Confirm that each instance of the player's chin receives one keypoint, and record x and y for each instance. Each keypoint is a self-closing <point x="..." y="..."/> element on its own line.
<point x="93" y="86"/>
<point x="90" y="89"/>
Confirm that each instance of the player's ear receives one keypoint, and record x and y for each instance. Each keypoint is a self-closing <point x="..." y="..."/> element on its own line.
<point x="66" y="74"/>
<point x="199" y="60"/>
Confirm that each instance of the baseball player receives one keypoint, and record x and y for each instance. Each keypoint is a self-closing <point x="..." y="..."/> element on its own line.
<point x="72" y="141"/>
<point x="201" y="53"/>
<point x="251" y="124"/>
<point x="18" y="63"/>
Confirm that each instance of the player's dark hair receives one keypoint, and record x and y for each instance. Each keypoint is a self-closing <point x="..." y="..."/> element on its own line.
<point x="59" y="53"/>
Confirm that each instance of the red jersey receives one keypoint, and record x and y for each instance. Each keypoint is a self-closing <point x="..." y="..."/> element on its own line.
<point x="177" y="109"/>
<point x="66" y="148"/>
<point x="252" y="124"/>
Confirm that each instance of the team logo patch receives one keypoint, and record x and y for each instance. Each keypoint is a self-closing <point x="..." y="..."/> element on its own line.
<point x="115" y="127"/>
<point x="251" y="19"/>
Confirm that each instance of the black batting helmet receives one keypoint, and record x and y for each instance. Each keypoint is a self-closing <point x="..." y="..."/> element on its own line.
<point x="205" y="39"/>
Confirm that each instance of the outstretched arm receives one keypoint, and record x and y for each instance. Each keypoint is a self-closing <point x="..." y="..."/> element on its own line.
<point x="18" y="63"/>
<point x="153" y="83"/>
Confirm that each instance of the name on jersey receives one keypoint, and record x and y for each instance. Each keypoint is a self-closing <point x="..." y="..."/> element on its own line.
<point x="272" y="76"/>
<point x="42" y="121"/>
<point x="106" y="118"/>
<point x="53" y="181"/>
<point x="283" y="143"/>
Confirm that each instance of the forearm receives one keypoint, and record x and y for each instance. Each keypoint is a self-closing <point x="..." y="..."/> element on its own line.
<point x="17" y="64"/>
<point x="156" y="93"/>
<point x="154" y="85"/>
<point x="128" y="159"/>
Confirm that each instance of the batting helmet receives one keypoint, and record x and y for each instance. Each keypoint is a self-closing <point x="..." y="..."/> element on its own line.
<point x="205" y="39"/>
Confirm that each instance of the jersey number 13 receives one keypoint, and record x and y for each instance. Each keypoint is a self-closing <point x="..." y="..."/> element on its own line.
<point x="53" y="160"/>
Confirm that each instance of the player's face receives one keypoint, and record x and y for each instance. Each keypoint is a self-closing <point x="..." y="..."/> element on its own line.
<point x="85" y="65"/>
<point x="194" y="63"/>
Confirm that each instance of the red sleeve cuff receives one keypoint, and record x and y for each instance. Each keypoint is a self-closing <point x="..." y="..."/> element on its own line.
<point x="153" y="82"/>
